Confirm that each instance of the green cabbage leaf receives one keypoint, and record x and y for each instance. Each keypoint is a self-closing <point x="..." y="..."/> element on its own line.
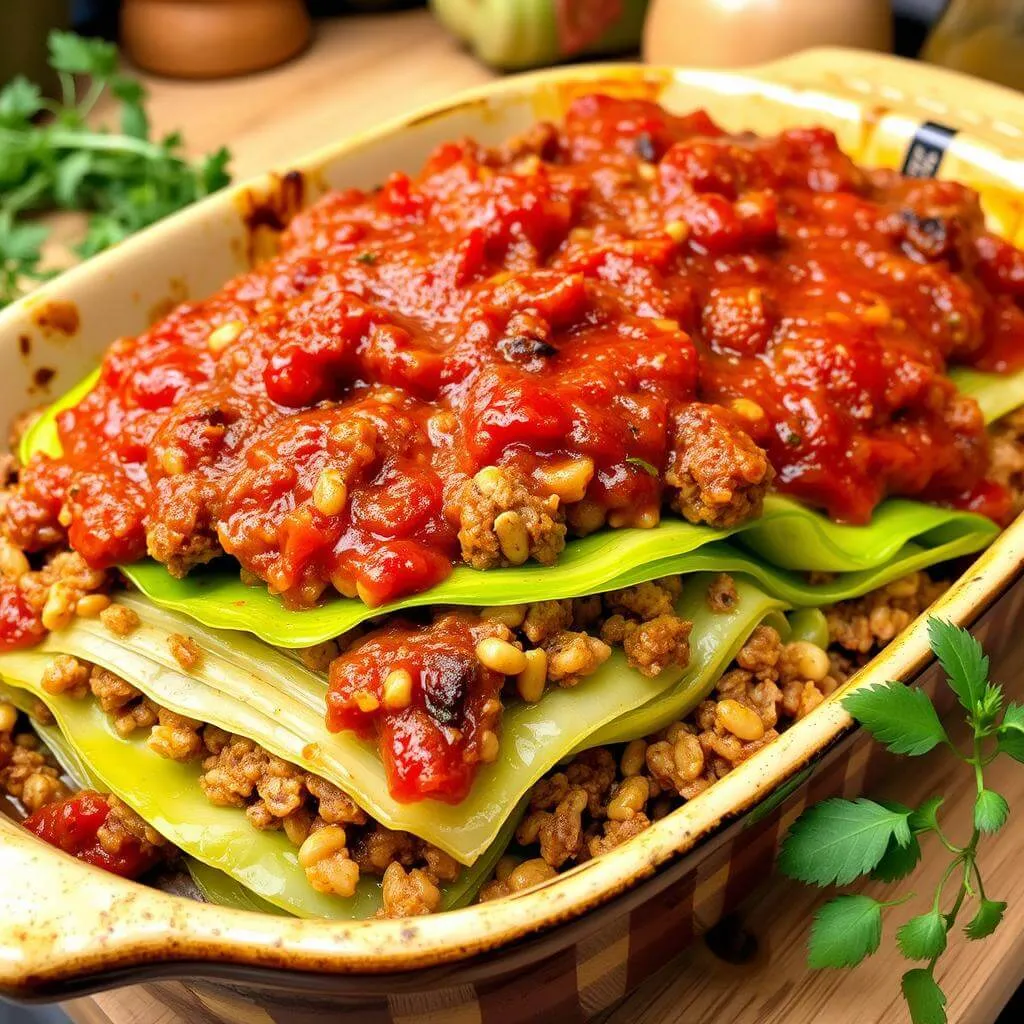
<point x="167" y="795"/>
<point x="250" y="688"/>
<point x="902" y="535"/>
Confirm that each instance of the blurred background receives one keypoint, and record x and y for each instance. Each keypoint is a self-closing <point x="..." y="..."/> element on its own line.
<point x="212" y="38"/>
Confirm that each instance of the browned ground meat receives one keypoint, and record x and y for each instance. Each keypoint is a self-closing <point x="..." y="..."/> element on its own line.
<point x="719" y="473"/>
<point x="864" y="624"/>
<point x="1007" y="455"/>
<point x="502" y="522"/>
<point x="722" y="596"/>
<point x="27" y="772"/>
<point x="604" y="797"/>
<point x="181" y="535"/>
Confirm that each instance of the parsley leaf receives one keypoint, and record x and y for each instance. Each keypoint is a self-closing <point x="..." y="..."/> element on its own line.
<point x="901" y="717"/>
<point x="898" y="861"/>
<point x="845" y="931"/>
<point x="926" y="817"/>
<point x="838" y="840"/>
<point x="962" y="657"/>
<point x="123" y="179"/>
<point x="926" y="1001"/>
<point x="1011" y="732"/>
<point x="990" y="811"/>
<point x="986" y="920"/>
<point x="20" y="101"/>
<point x="923" y="937"/>
<point x="79" y="56"/>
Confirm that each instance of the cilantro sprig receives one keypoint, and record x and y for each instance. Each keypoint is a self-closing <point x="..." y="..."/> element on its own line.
<point x="52" y="157"/>
<point x="837" y="841"/>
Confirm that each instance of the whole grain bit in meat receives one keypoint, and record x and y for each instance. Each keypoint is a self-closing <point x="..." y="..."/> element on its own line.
<point x="653" y="646"/>
<point x="644" y="601"/>
<point x="761" y="652"/>
<point x="325" y="860"/>
<point x="408" y="894"/>
<point x="722" y="595"/>
<point x="113" y="692"/>
<point x="176" y="737"/>
<point x="335" y="806"/>
<point x="720" y="475"/>
<point x="24" y="760"/>
<point x="121" y="621"/>
<point x="382" y="846"/>
<point x="440" y="865"/>
<point x="559" y="832"/>
<point x="187" y="653"/>
<point x="517" y="878"/>
<point x="40" y="789"/>
<point x="503" y="523"/>
<point x="545" y="619"/>
<point x="140" y="715"/>
<point x="572" y="656"/>
<point x="868" y="622"/>
<point x="122" y="824"/>
<point x="615" y="833"/>
<point x="66" y="675"/>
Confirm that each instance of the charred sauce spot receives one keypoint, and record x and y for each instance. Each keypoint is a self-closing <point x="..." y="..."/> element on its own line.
<point x="57" y="316"/>
<point x="266" y="214"/>
<point x="24" y="345"/>
<point x="42" y="377"/>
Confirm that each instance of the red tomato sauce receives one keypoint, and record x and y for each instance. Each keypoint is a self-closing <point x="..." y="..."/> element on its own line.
<point x="562" y="296"/>
<point x="72" y="826"/>
<point x="431" y="731"/>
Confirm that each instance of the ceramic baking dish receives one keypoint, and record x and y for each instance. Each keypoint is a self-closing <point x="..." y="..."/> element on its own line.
<point x="587" y="936"/>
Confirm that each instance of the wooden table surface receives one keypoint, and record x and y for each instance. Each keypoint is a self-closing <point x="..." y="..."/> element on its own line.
<point x="359" y="71"/>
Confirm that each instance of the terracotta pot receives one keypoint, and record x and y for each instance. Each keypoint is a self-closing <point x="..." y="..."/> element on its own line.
<point x="736" y="33"/>
<point x="212" y="38"/>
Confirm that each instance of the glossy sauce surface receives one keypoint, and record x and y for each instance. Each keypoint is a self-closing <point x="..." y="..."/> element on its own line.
<point x="565" y="296"/>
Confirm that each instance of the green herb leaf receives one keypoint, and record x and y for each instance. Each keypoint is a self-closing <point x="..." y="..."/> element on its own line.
<point x="1011" y="732"/>
<point x="901" y="717"/>
<point x="925" y="1000"/>
<point x="368" y="257"/>
<point x="962" y="657"/>
<point x="845" y="931"/>
<point x="923" y="937"/>
<point x="79" y="56"/>
<point x="926" y="817"/>
<point x="20" y="101"/>
<point x="898" y="861"/>
<point x="989" y="706"/>
<point x="990" y="811"/>
<point x="647" y="467"/>
<point x="986" y="920"/>
<point x="838" y="840"/>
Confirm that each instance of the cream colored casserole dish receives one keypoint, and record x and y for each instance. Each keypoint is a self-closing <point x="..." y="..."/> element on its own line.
<point x="64" y="926"/>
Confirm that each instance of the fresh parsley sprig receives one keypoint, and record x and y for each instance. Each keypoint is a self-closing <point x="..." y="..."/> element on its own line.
<point x="51" y="157"/>
<point x="837" y="841"/>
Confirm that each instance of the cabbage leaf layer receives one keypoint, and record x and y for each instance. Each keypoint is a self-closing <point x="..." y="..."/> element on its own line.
<point x="903" y="535"/>
<point x="250" y="688"/>
<point x="168" y="796"/>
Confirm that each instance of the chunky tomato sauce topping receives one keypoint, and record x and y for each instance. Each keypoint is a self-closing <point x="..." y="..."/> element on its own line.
<point x="629" y="312"/>
<point x="432" y="706"/>
<point x="72" y="826"/>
